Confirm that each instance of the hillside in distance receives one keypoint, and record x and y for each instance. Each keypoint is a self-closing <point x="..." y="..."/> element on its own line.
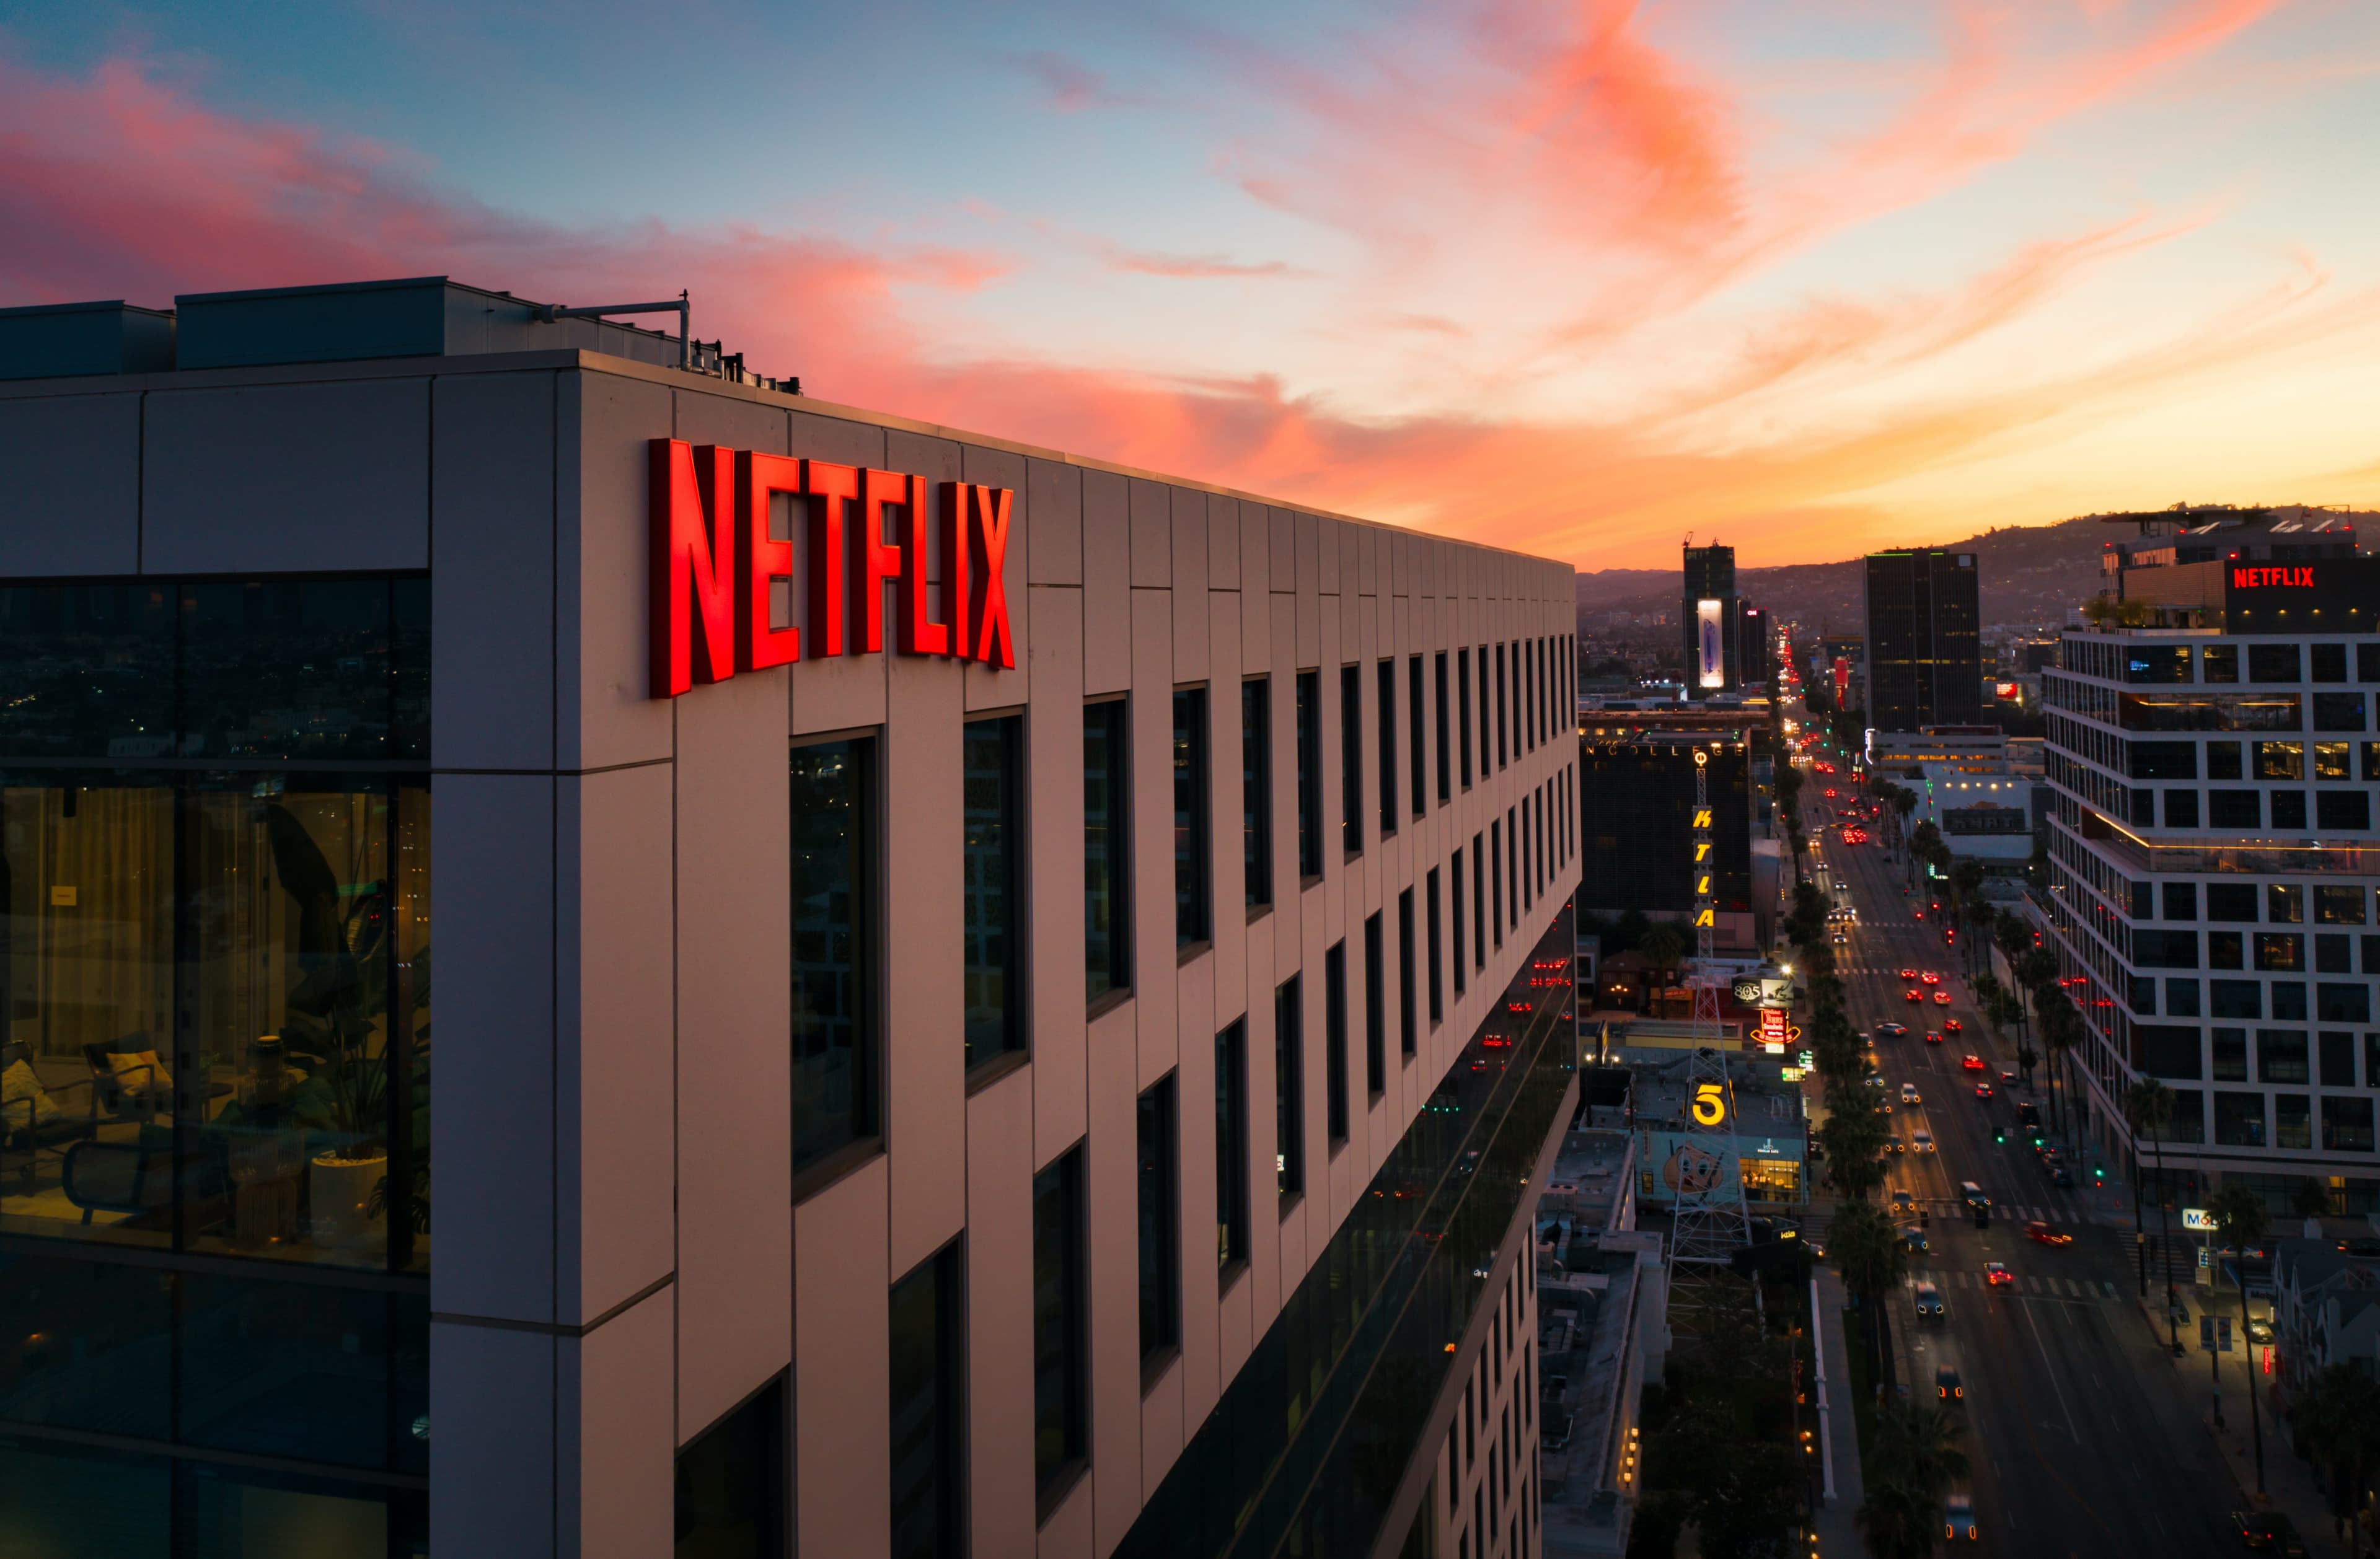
<point x="2030" y="573"/>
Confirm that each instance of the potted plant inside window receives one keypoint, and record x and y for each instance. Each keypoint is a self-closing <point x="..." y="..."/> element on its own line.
<point x="341" y="1024"/>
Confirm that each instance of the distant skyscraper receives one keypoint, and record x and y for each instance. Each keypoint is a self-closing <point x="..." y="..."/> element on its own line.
<point x="1924" y="662"/>
<point x="1709" y="615"/>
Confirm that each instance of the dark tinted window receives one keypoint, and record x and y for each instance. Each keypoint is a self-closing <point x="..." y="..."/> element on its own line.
<point x="834" y="940"/>
<point x="991" y="863"/>
<point x="1351" y="759"/>
<point x="1334" y="1040"/>
<point x="928" y="1454"/>
<point x="1386" y="706"/>
<point x="1059" y="1366"/>
<point x="1232" y="1144"/>
<point x="1190" y="868"/>
<point x="731" y="1484"/>
<point x="1159" y="1201"/>
<point x="1256" y="791"/>
<point x="88" y="669"/>
<point x="1107" y="844"/>
<point x="1445" y="748"/>
<point x="2273" y="662"/>
<point x="1288" y="1093"/>
<point x="1309" y="774"/>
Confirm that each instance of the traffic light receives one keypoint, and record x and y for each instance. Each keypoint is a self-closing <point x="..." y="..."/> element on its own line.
<point x="2098" y="1172"/>
<point x="2000" y="1133"/>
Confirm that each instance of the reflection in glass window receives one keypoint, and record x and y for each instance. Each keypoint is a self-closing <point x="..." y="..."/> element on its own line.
<point x="1106" y="953"/>
<point x="1256" y="790"/>
<point x="731" y="1487"/>
<point x="1288" y="1094"/>
<point x="927" y="1455"/>
<point x="992" y="875"/>
<point x="1190" y="868"/>
<point x="1060" y="1369"/>
<point x="88" y="669"/>
<point x="1462" y="709"/>
<point x="1351" y="759"/>
<point x="1160" y="1211"/>
<point x="1232" y="1144"/>
<point x="1309" y="774"/>
<point x="2219" y="663"/>
<point x="834" y="946"/>
<point x="1385" y="704"/>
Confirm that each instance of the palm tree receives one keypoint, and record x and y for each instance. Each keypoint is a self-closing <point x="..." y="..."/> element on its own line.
<point x="1896" y="1523"/>
<point x="1914" y="1448"/>
<point x="2061" y="1031"/>
<point x="2148" y="1105"/>
<point x="1871" y="1256"/>
<point x="2340" y="1418"/>
<point x="1662" y="946"/>
<point x="1852" y="1140"/>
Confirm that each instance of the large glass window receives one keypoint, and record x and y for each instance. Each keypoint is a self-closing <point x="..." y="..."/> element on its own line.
<point x="1445" y="748"/>
<point x="1160" y="1160"/>
<point x="1107" y="844"/>
<point x="1407" y="1025"/>
<point x="731" y="1481"/>
<point x="1334" y="1041"/>
<point x="1190" y="854"/>
<point x="992" y="868"/>
<point x="1454" y="904"/>
<point x="1376" y="1021"/>
<point x="928" y="1455"/>
<point x="1462" y="709"/>
<point x="1351" y="759"/>
<point x="1288" y="1094"/>
<point x="1503" y="716"/>
<point x="1232" y="1145"/>
<point x="1416" y="722"/>
<point x="1309" y="774"/>
<point x="834" y="810"/>
<point x="1387" y="705"/>
<point x="1060" y="1367"/>
<point x="1256" y="790"/>
<point x="1487" y="715"/>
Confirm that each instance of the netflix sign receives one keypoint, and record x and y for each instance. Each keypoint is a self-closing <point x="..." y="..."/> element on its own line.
<point x="726" y="590"/>
<point x="2328" y="595"/>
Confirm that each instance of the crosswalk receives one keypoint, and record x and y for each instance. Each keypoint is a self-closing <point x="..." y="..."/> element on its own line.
<point x="2002" y="1212"/>
<point x="2027" y="1283"/>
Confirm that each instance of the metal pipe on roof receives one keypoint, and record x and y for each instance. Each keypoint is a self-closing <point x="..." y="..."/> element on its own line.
<point x="681" y="307"/>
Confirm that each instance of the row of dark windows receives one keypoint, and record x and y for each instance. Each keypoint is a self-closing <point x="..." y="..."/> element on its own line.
<point x="2241" y="1120"/>
<point x="2152" y="662"/>
<point x="2282" y="1056"/>
<point x="2334" y="1001"/>
<point x="2334" y="812"/>
<point x="2282" y="903"/>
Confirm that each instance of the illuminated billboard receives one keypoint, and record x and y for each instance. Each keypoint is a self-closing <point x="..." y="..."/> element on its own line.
<point x="1710" y="644"/>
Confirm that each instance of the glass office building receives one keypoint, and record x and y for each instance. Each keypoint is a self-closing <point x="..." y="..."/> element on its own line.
<point x="1924" y="655"/>
<point x="862" y="1088"/>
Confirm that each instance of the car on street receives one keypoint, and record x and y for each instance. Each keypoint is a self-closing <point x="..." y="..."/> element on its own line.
<point x="2042" y="1234"/>
<point x="2260" y="1330"/>
<point x="1929" y="1302"/>
<point x="2008" y="1079"/>
<point x="1913" y="996"/>
<point x="1982" y="1090"/>
<point x="1971" y="1062"/>
<point x="1952" y="1025"/>
<point x="1930" y="978"/>
<point x="1909" y="974"/>
<point x="1933" y="1036"/>
<point x="1892" y="1031"/>
<point x="1914" y="1238"/>
<point x="1895" y="1144"/>
<point x="1945" y="1383"/>
<point x="1958" y="1519"/>
<point x="1921" y="1141"/>
<point x="1998" y="1275"/>
<point x="1973" y="1194"/>
<point x="2061" y="1177"/>
<point x="1903" y="1203"/>
<point x="1873" y="1079"/>
<point x="2269" y="1532"/>
<point x="1909" y="1095"/>
<point x="1941" y="998"/>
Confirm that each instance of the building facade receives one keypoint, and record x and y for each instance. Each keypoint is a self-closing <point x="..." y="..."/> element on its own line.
<point x="1925" y="655"/>
<point x="1711" y="614"/>
<point x="2213" y="880"/>
<point x="1637" y="798"/>
<point x="990" y="1003"/>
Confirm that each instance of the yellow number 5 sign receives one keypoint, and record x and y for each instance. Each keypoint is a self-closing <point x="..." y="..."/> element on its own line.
<point x="1710" y="1104"/>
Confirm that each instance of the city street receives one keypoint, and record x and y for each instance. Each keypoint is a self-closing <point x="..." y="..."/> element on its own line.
<point x="2085" y="1438"/>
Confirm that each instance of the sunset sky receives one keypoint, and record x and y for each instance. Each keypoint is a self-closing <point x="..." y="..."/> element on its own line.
<point x="1572" y="278"/>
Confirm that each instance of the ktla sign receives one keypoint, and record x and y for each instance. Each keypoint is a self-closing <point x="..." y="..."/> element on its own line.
<point x="718" y="573"/>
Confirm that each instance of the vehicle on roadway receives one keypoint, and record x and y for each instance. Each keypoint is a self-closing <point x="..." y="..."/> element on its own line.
<point x="1998" y="1275"/>
<point x="1921" y="1141"/>
<point x="1914" y="997"/>
<point x="1971" y="1062"/>
<point x="2270" y="1531"/>
<point x="1909" y="1095"/>
<point x="1929" y="1302"/>
<point x="2061" y="1177"/>
<point x="2008" y="1079"/>
<point x="1941" y="998"/>
<point x="1903" y="1203"/>
<point x="1915" y="1238"/>
<point x="1930" y="978"/>
<point x="2260" y="1330"/>
<point x="1982" y="1090"/>
<point x="1952" y="1025"/>
<point x="1945" y="1382"/>
<point x="1909" y="974"/>
<point x="1892" y="1031"/>
<point x="2042" y="1234"/>
<point x="1933" y="1036"/>
<point x="1958" y="1519"/>
<point x="1973" y="1194"/>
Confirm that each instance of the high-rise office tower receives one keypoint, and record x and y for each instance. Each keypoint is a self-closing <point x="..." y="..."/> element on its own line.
<point x="1924" y="663"/>
<point x="1708" y="613"/>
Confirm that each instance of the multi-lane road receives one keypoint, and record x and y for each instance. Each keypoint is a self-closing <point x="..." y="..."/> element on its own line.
<point x="2085" y="1440"/>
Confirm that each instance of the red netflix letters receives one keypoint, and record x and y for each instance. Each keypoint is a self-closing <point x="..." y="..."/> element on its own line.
<point x="714" y="565"/>
<point x="2259" y="578"/>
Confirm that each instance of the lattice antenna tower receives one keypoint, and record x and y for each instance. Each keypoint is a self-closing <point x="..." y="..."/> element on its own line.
<point x="1712" y="1227"/>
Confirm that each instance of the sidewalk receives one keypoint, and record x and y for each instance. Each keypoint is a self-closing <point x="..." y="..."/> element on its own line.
<point x="1838" y="1534"/>
<point x="2290" y="1485"/>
